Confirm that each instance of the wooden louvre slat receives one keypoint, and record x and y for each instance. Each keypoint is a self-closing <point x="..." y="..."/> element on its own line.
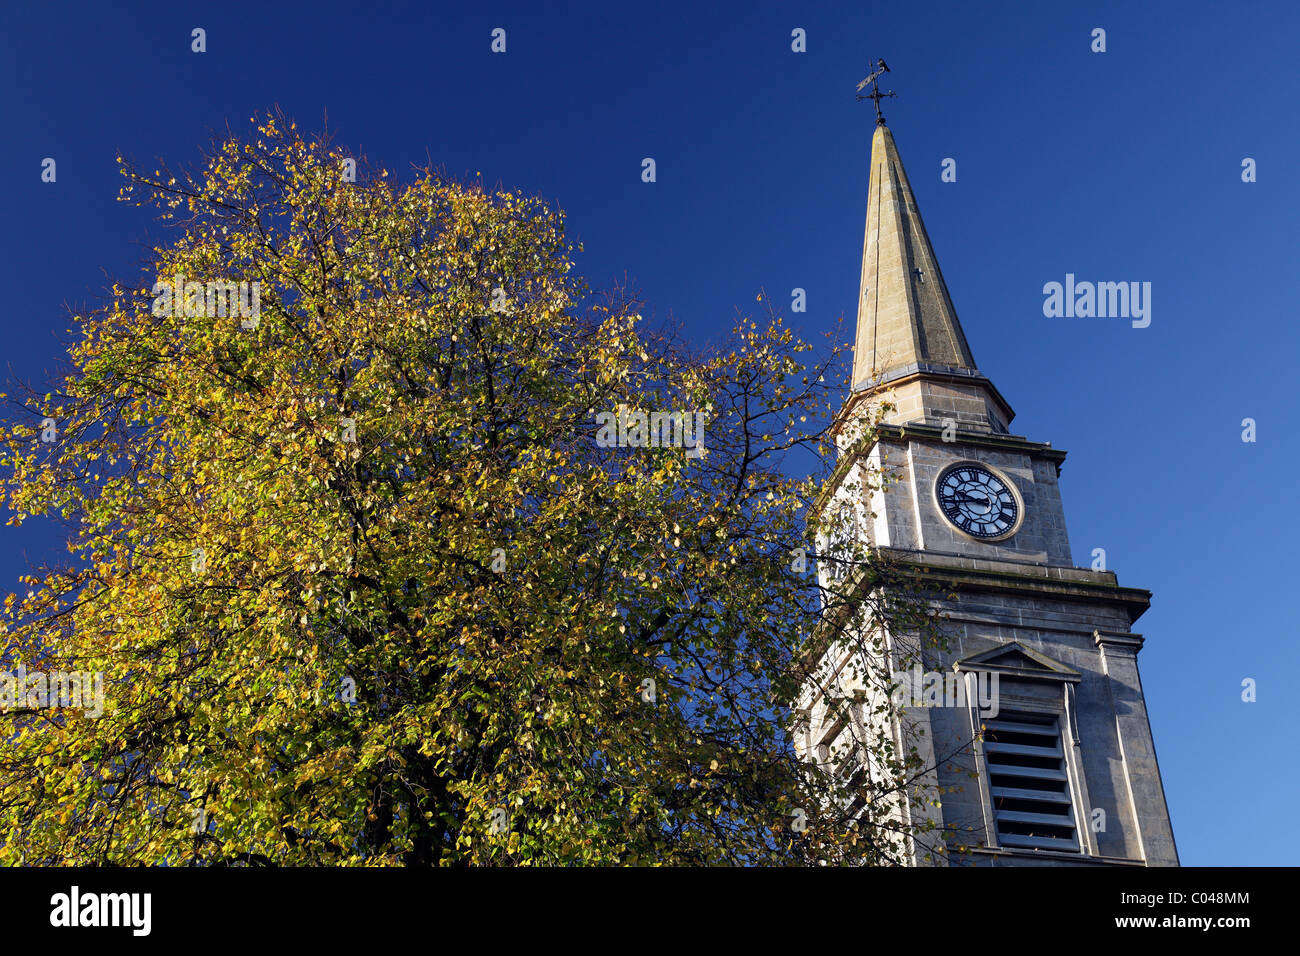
<point x="1040" y="842"/>
<point x="1024" y="816"/>
<point x="1010" y="770"/>
<point x="1042" y="796"/>
<point x="1027" y="750"/>
<point x="1011" y="726"/>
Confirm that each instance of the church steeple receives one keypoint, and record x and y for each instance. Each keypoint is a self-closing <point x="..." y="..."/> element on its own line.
<point x="909" y="342"/>
<point x="905" y="315"/>
<point x="971" y="519"/>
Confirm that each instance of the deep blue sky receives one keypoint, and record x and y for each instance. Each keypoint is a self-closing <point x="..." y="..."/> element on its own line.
<point x="1117" y="166"/>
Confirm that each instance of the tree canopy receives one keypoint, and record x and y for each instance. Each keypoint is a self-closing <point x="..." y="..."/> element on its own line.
<point x="368" y="583"/>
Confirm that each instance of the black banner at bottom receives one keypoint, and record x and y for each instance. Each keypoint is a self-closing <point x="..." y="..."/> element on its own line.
<point x="140" y="907"/>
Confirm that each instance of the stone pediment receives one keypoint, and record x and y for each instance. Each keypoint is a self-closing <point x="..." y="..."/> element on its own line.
<point x="1016" y="660"/>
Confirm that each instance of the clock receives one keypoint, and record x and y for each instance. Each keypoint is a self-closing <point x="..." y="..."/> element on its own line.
<point x="978" y="501"/>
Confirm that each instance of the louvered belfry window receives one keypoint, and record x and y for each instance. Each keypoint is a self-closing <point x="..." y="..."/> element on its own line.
<point x="1028" y="782"/>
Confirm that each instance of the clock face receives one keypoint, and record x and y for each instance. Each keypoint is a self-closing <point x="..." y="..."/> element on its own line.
<point x="978" y="502"/>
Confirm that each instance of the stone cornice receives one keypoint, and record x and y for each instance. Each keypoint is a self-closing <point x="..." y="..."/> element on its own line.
<point x="1123" y="642"/>
<point x="1009" y="577"/>
<point x="1016" y="443"/>
<point x="959" y="573"/>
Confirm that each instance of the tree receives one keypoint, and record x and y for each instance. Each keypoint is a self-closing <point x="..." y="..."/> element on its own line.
<point x="385" y="556"/>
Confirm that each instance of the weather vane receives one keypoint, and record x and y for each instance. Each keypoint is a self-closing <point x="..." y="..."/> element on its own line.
<point x="875" y="93"/>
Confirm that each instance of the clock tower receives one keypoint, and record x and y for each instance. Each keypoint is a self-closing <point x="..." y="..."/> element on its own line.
<point x="1059" y="768"/>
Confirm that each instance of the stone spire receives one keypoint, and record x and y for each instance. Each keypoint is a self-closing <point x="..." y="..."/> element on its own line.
<point x="910" y="347"/>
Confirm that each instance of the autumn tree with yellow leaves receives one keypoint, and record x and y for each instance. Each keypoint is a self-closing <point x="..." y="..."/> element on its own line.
<point x="364" y="586"/>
